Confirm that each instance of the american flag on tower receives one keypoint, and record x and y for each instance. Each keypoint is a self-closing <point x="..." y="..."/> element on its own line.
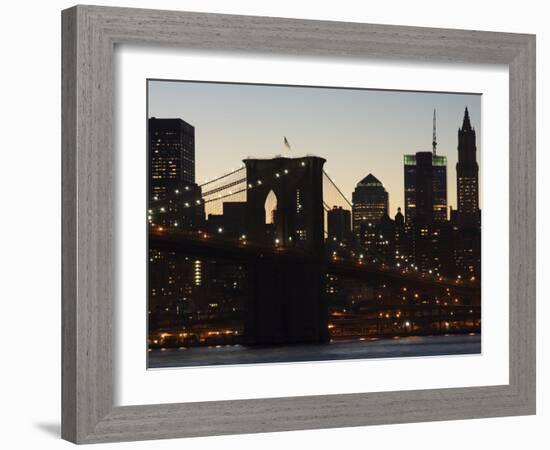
<point x="287" y="144"/>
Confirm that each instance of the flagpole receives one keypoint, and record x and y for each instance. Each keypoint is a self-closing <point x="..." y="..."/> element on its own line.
<point x="286" y="143"/>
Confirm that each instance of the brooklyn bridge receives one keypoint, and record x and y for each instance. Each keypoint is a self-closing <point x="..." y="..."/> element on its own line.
<point x="270" y="216"/>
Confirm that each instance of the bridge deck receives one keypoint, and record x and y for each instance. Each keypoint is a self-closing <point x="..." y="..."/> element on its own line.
<point x="209" y="245"/>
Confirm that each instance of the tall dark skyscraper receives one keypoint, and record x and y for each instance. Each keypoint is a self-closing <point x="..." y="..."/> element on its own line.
<point x="424" y="195"/>
<point x="426" y="209"/>
<point x="436" y="195"/>
<point x="426" y="184"/>
<point x="171" y="155"/>
<point x="174" y="197"/>
<point x="468" y="215"/>
<point x="467" y="175"/>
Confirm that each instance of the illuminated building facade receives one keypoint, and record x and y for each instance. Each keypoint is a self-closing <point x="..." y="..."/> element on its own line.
<point x="174" y="201"/>
<point x="172" y="153"/>
<point x="174" y="197"/>
<point x="370" y="205"/>
<point x="425" y="186"/>
<point x="425" y="182"/>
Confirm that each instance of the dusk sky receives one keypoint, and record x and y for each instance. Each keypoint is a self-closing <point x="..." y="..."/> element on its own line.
<point x="357" y="131"/>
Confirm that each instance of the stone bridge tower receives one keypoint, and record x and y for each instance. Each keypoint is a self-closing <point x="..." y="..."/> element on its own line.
<point x="298" y="186"/>
<point x="286" y="303"/>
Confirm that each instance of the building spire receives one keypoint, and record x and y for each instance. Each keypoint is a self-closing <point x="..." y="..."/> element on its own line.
<point x="466" y="125"/>
<point x="434" y="140"/>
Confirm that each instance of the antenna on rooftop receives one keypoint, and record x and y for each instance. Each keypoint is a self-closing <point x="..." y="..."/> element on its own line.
<point x="434" y="140"/>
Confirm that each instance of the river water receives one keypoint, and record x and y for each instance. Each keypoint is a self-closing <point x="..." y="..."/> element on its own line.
<point x="336" y="350"/>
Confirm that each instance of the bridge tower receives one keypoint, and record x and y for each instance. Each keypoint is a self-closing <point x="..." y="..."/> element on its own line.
<point x="286" y="305"/>
<point x="298" y="186"/>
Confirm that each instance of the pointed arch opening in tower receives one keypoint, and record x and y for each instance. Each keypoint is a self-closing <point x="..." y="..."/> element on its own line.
<point x="270" y="207"/>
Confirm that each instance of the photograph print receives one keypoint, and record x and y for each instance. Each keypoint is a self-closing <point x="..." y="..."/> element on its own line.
<point x="297" y="223"/>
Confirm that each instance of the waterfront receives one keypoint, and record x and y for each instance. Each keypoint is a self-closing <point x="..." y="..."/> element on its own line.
<point x="411" y="346"/>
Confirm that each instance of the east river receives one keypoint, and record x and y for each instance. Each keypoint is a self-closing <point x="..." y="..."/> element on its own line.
<point x="412" y="346"/>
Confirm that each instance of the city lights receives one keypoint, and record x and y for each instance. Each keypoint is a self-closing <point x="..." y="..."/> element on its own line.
<point x="307" y="253"/>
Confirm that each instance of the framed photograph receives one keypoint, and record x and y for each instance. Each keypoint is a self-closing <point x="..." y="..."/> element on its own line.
<point x="278" y="224"/>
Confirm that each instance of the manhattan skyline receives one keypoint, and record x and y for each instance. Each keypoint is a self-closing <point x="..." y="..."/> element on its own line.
<point x="358" y="131"/>
<point x="253" y="240"/>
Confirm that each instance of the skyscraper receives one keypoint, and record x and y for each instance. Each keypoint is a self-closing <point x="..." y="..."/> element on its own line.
<point x="436" y="196"/>
<point x="174" y="197"/>
<point x="426" y="208"/>
<point x="172" y="154"/>
<point x="423" y="188"/>
<point x="467" y="175"/>
<point x="370" y="204"/>
<point x="468" y="216"/>
<point x="370" y="201"/>
<point x="426" y="184"/>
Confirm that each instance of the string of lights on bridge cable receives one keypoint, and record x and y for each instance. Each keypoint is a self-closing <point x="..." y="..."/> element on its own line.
<point x="232" y="186"/>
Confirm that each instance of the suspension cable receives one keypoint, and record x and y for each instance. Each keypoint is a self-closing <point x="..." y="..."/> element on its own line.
<point x="225" y="186"/>
<point x="338" y="189"/>
<point x="221" y="177"/>
<point x="225" y="196"/>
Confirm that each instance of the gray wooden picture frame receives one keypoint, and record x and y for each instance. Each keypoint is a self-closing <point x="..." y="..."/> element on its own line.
<point x="89" y="36"/>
